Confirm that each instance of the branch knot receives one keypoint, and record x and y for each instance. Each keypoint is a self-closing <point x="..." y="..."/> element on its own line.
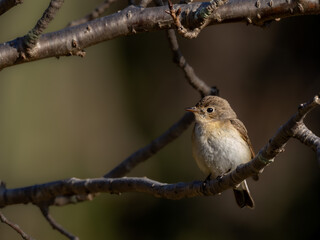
<point x="201" y="17"/>
<point x="264" y="160"/>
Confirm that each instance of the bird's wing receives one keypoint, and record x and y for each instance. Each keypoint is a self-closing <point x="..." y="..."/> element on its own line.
<point x="243" y="132"/>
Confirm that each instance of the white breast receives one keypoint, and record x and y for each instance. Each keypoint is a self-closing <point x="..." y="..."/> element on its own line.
<point x="219" y="148"/>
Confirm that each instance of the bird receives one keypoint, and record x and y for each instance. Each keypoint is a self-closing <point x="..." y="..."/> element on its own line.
<point x="220" y="143"/>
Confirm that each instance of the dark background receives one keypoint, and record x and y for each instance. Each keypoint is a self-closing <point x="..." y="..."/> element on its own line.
<point x="77" y="117"/>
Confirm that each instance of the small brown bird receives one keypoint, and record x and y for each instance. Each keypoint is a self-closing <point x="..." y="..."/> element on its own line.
<point x="220" y="143"/>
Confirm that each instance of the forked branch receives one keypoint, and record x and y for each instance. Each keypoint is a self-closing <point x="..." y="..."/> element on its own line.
<point x="201" y="16"/>
<point x="31" y="38"/>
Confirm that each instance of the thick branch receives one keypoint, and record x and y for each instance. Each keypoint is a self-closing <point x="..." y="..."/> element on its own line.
<point x="6" y="5"/>
<point x="45" y="193"/>
<point x="132" y="20"/>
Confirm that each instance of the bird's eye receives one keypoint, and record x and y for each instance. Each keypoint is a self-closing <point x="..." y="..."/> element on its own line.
<point x="209" y="110"/>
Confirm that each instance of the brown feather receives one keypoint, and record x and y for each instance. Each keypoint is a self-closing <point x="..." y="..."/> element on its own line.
<point x="243" y="196"/>
<point x="244" y="134"/>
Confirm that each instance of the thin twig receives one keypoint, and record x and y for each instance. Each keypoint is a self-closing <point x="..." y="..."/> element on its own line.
<point x="15" y="227"/>
<point x="146" y="152"/>
<point x="55" y="225"/>
<point x="97" y="12"/>
<point x="31" y="39"/>
<point x="191" y="76"/>
<point x="179" y="59"/>
<point x="6" y="5"/>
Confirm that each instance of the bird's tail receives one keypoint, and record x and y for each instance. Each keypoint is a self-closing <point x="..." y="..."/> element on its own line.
<point x="243" y="196"/>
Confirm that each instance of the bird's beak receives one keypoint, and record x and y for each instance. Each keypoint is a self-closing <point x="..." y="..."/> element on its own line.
<point x="192" y="109"/>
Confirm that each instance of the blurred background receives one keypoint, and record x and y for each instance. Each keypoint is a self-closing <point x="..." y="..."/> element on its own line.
<point x="80" y="117"/>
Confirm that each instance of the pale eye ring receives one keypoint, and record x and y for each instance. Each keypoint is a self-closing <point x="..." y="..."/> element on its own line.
<point x="209" y="110"/>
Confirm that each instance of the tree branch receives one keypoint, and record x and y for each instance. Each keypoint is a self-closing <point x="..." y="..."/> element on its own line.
<point x="303" y="134"/>
<point x="97" y="12"/>
<point x="133" y="160"/>
<point x="45" y="193"/>
<point x="157" y="144"/>
<point x="31" y="38"/>
<point x="190" y="75"/>
<point x="179" y="59"/>
<point x="291" y="129"/>
<point x="307" y="137"/>
<point x="6" y="5"/>
<point x="202" y="16"/>
<point x="55" y="225"/>
<point x="132" y="20"/>
<point x="15" y="227"/>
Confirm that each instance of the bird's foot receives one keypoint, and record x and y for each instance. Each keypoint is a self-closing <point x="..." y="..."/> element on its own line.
<point x="208" y="178"/>
<point x="204" y="184"/>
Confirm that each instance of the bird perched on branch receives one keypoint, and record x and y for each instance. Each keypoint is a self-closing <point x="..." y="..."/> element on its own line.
<point x="220" y="143"/>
